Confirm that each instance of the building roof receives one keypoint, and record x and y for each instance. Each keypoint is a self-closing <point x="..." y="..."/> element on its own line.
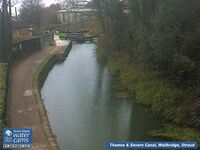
<point x="77" y="10"/>
<point x="17" y="24"/>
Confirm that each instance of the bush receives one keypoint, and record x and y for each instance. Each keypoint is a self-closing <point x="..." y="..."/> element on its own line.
<point x="183" y="67"/>
<point x="102" y="56"/>
<point x="176" y="133"/>
<point x="149" y="89"/>
<point x="3" y="70"/>
<point x="2" y="76"/>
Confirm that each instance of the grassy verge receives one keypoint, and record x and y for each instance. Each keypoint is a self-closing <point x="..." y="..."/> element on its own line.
<point x="95" y="39"/>
<point x="3" y="86"/>
<point x="151" y="90"/>
<point x="176" y="133"/>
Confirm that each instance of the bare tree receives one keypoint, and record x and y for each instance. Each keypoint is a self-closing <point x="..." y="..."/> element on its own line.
<point x="13" y="3"/>
<point x="31" y="11"/>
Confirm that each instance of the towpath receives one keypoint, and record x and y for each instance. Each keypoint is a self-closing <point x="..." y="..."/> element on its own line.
<point x="23" y="108"/>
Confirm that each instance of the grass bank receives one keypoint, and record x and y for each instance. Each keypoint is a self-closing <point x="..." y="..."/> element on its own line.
<point x="3" y="88"/>
<point x="150" y="89"/>
<point x="160" y="95"/>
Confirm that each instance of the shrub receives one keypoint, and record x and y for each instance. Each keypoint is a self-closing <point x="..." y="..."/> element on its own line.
<point x="149" y="89"/>
<point x="183" y="66"/>
<point x="102" y="56"/>
<point x="176" y="133"/>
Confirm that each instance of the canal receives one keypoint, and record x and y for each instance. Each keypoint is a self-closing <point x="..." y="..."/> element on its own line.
<point x="82" y="113"/>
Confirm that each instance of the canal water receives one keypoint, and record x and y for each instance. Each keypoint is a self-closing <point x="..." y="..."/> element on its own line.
<point x="82" y="113"/>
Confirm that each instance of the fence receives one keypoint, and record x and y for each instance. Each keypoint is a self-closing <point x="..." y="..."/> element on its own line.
<point x="47" y="39"/>
<point x="21" y="49"/>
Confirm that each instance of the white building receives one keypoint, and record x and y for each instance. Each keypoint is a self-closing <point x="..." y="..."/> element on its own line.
<point x="73" y="16"/>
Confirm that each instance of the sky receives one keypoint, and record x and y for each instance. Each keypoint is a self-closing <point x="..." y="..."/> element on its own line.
<point x="49" y="2"/>
<point x="45" y="2"/>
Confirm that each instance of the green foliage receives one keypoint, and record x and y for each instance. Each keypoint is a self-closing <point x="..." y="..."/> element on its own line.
<point x="3" y="70"/>
<point x="177" y="133"/>
<point x="2" y="76"/>
<point x="95" y="40"/>
<point x="183" y="66"/>
<point x="161" y="34"/>
<point x="62" y="35"/>
<point x="115" y="68"/>
<point x="102" y="56"/>
<point x="149" y="89"/>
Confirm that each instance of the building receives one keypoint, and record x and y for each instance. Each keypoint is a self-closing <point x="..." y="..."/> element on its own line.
<point x="20" y="28"/>
<point x="126" y="4"/>
<point x="24" y="43"/>
<point x="73" y="16"/>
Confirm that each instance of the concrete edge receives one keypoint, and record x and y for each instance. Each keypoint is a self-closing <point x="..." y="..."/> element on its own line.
<point x="37" y="94"/>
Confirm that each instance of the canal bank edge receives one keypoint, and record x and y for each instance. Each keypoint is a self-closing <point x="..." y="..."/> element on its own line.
<point x="138" y="83"/>
<point x="38" y="81"/>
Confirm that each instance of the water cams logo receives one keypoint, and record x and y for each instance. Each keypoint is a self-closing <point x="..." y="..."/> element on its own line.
<point x="17" y="138"/>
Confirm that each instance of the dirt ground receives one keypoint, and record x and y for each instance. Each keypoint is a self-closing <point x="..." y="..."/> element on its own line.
<point x="23" y="109"/>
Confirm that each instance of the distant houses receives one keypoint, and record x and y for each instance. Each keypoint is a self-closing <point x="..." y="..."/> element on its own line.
<point x="20" y="28"/>
<point x="126" y="4"/>
<point x="73" y="16"/>
<point x="24" y="43"/>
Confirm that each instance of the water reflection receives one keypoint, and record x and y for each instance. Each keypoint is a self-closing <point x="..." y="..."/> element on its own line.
<point x="82" y="113"/>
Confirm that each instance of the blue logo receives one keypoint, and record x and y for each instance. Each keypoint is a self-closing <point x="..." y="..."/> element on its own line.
<point x="17" y="138"/>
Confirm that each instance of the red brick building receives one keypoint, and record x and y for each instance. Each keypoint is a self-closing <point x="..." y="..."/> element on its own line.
<point x="20" y="28"/>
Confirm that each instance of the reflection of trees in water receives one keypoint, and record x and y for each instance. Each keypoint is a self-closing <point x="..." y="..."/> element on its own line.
<point x="142" y="121"/>
<point x="123" y="119"/>
<point x="113" y="113"/>
<point x="98" y="88"/>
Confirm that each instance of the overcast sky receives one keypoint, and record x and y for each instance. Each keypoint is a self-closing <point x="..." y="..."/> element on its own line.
<point x="46" y="2"/>
<point x="49" y="2"/>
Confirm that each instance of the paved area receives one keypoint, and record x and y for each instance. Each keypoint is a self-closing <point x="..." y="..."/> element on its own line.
<point x="23" y="110"/>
